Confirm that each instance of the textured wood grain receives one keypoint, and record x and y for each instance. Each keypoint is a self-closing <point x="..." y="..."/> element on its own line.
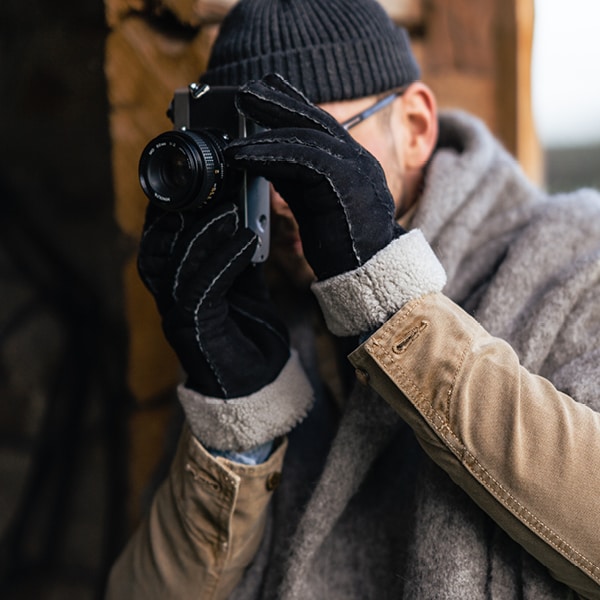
<point x="144" y="64"/>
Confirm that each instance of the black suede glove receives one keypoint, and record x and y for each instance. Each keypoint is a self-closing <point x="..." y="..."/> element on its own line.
<point x="335" y="188"/>
<point x="214" y="305"/>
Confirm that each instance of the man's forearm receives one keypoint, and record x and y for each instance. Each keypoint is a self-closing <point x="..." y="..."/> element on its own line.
<point x="526" y="453"/>
<point x="205" y="525"/>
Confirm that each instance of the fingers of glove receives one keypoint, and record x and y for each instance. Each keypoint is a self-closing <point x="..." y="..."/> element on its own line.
<point x="203" y="279"/>
<point x="156" y="246"/>
<point x="167" y="235"/>
<point x="160" y="233"/>
<point x="337" y="192"/>
<point x="282" y="155"/>
<point x="301" y="139"/>
<point x="272" y="102"/>
<point x="317" y="175"/>
<point x="204" y="233"/>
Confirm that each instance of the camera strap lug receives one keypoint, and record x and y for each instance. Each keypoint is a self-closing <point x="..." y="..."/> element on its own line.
<point x="197" y="90"/>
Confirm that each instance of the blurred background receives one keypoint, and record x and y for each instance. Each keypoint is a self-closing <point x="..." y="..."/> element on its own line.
<point x="62" y="333"/>
<point x="84" y="436"/>
<point x="566" y="91"/>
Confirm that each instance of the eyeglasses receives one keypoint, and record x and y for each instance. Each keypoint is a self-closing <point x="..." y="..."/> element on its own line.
<point x="379" y="105"/>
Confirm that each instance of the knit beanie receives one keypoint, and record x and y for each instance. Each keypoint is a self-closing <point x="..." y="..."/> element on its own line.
<point x="329" y="49"/>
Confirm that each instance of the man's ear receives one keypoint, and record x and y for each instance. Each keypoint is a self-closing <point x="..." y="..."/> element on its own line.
<point x="420" y="118"/>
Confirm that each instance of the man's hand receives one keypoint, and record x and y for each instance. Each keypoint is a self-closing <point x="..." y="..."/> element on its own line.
<point x="213" y="302"/>
<point x="335" y="188"/>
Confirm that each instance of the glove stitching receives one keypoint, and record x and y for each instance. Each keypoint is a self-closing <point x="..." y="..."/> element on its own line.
<point x="179" y="231"/>
<point x="292" y="111"/>
<point x="193" y="241"/>
<point x="256" y="319"/>
<point x="310" y="165"/>
<point x="212" y="366"/>
<point x="150" y="280"/>
<point x="291" y="139"/>
<point x="381" y="192"/>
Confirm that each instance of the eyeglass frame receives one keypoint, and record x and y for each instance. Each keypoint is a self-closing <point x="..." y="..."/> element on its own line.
<point x="374" y="108"/>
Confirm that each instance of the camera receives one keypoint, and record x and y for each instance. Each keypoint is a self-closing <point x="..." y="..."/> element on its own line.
<point x="185" y="169"/>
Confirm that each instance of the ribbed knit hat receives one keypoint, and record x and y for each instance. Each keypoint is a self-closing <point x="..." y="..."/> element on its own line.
<point x="328" y="49"/>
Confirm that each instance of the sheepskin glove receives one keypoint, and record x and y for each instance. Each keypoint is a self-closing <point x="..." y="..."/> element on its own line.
<point x="215" y="311"/>
<point x="367" y="266"/>
<point x="217" y="316"/>
<point x="335" y="188"/>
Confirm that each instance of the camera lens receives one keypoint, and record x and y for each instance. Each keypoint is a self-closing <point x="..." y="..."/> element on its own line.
<point x="174" y="171"/>
<point x="182" y="169"/>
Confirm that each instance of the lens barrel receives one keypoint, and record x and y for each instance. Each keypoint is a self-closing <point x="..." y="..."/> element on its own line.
<point x="179" y="170"/>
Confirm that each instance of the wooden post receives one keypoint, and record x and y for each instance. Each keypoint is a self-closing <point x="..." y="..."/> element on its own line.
<point x="476" y="56"/>
<point x="149" y="53"/>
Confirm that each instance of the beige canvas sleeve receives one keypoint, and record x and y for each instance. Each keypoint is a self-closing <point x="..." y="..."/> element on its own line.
<point x="204" y="527"/>
<point x="526" y="453"/>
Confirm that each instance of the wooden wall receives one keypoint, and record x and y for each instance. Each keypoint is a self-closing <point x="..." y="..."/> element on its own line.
<point x="475" y="55"/>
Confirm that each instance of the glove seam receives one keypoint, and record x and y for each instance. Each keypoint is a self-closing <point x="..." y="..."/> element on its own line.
<point x="211" y="364"/>
<point x="266" y="324"/>
<point x="188" y="249"/>
<point x="296" y="110"/>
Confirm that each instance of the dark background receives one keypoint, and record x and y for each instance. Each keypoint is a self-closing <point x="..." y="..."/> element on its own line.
<point x="62" y="335"/>
<point x="63" y="346"/>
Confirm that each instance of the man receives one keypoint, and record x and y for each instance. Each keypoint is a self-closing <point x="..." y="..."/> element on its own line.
<point x="461" y="458"/>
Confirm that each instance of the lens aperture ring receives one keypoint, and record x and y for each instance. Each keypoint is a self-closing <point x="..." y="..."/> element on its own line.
<point x="211" y="148"/>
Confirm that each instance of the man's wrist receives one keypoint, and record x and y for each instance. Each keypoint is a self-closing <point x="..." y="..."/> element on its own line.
<point x="240" y="424"/>
<point x="363" y="299"/>
<point x="253" y="456"/>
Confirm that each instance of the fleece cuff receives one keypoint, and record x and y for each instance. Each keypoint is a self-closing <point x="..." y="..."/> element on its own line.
<point x="242" y="423"/>
<point x="363" y="299"/>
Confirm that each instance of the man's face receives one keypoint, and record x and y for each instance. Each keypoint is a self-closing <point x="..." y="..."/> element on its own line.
<point x="381" y="136"/>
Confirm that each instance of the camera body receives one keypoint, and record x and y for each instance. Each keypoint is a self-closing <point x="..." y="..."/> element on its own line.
<point x="185" y="169"/>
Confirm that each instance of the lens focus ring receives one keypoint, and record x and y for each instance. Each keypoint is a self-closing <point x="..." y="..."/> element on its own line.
<point x="182" y="169"/>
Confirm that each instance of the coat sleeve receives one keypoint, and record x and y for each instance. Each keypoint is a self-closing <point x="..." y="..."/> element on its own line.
<point x="204" y="527"/>
<point x="526" y="453"/>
